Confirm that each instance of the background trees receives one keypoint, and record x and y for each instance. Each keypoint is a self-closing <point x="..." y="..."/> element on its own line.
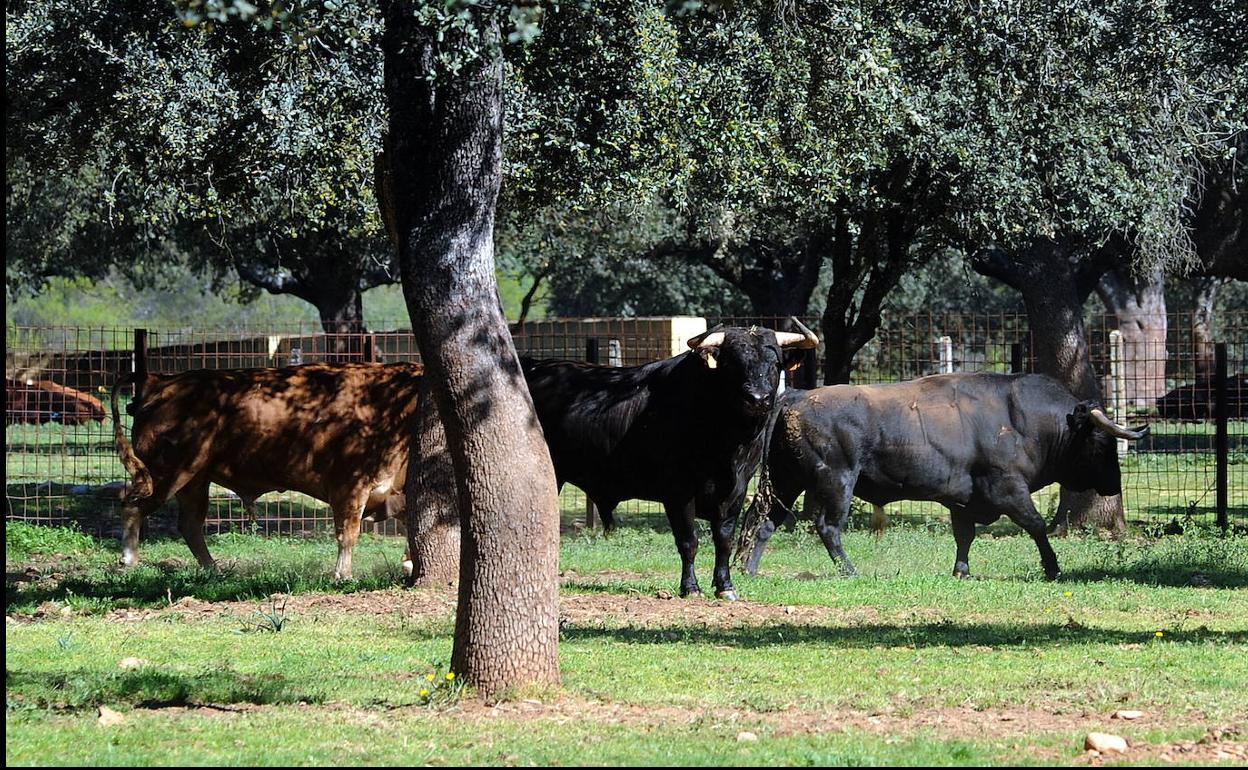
<point x="250" y="148"/>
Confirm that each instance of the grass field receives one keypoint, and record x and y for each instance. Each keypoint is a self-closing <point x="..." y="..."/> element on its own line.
<point x="273" y="663"/>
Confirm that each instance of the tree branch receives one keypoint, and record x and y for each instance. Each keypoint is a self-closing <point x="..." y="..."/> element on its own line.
<point x="274" y="280"/>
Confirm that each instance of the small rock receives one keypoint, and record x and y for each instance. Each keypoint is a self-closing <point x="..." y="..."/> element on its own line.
<point x="108" y="717"/>
<point x="789" y="610"/>
<point x="1105" y="743"/>
<point x="67" y="610"/>
<point x="1200" y="580"/>
<point x="805" y="575"/>
<point x="662" y="594"/>
<point x="746" y="736"/>
<point x="1127" y="714"/>
<point x="129" y="664"/>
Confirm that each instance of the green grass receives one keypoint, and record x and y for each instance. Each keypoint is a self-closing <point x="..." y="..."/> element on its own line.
<point x="903" y="642"/>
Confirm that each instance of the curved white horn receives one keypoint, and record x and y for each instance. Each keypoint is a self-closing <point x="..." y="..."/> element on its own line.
<point x="713" y="340"/>
<point x="709" y="338"/>
<point x="1102" y="421"/>
<point x="806" y="339"/>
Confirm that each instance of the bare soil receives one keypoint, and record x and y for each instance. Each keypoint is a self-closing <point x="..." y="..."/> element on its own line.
<point x="432" y="604"/>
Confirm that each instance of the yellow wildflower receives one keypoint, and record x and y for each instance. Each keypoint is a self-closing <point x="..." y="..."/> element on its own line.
<point x="450" y="675"/>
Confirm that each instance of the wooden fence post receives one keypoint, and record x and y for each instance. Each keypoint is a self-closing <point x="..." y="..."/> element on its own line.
<point x="945" y="344"/>
<point x="1118" y="386"/>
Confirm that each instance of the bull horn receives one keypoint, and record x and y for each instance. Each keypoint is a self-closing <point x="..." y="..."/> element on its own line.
<point x="1102" y="421"/>
<point x="711" y="338"/>
<point x="806" y="339"/>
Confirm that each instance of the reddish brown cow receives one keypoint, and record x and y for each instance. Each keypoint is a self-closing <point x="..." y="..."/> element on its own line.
<point x="41" y="401"/>
<point x="336" y="432"/>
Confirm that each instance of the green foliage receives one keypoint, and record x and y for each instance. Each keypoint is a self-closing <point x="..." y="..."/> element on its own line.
<point x="177" y="299"/>
<point x="238" y="146"/>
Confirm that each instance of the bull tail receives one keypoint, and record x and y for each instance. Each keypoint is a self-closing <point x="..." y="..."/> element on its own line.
<point x="879" y="521"/>
<point x="141" y="484"/>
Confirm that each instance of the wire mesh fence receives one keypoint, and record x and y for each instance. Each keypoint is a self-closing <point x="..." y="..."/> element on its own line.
<point x="62" y="466"/>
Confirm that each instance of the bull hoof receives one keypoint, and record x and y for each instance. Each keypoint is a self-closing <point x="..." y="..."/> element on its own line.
<point x="728" y="595"/>
<point x="1051" y="576"/>
<point x="686" y="593"/>
<point x="961" y="573"/>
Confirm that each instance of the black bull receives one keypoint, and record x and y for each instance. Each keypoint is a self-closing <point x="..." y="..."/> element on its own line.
<point x="685" y="431"/>
<point x="979" y="444"/>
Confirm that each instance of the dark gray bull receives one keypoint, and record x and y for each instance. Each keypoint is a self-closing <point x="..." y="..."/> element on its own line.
<point x="685" y="431"/>
<point x="979" y="444"/>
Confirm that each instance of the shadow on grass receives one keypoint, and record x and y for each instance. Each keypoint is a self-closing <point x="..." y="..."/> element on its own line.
<point x="101" y="589"/>
<point x="1209" y="576"/>
<point x="920" y="635"/>
<point x="148" y="689"/>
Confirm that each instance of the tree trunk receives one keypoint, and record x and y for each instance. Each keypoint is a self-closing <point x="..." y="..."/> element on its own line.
<point x="1139" y="303"/>
<point x="1202" y="326"/>
<point x="781" y="287"/>
<point x="342" y="319"/>
<point x="432" y="514"/>
<point x="1053" y="291"/>
<point x="865" y="268"/>
<point x="446" y="142"/>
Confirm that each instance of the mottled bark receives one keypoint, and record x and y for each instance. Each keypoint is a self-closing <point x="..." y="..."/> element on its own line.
<point x="445" y="160"/>
<point x="1054" y="287"/>
<point x="432" y="509"/>
<point x="1139" y="304"/>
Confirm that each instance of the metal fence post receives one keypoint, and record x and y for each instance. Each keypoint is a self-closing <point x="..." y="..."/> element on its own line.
<point x="592" y="356"/>
<point x="139" y="364"/>
<point x="1222" y="444"/>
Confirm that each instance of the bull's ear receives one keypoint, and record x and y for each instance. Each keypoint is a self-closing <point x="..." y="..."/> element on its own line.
<point x="1078" y="419"/>
<point x="793" y="358"/>
<point x="710" y="357"/>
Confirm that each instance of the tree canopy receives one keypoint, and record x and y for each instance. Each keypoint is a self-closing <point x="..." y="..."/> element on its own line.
<point x="251" y="147"/>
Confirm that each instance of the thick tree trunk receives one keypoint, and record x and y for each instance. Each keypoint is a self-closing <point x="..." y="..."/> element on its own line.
<point x="782" y="287"/>
<point x="446" y="157"/>
<point x="865" y="268"/>
<point x="1139" y="303"/>
<point x="1054" y="291"/>
<point x="432" y="511"/>
<point x="342" y="318"/>
<point x="1202" y="325"/>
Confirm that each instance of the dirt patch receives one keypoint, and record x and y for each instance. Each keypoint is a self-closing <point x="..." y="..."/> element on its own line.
<point x="597" y="609"/>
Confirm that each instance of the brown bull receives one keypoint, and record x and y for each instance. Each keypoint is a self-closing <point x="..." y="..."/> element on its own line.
<point x="40" y="401"/>
<point x="336" y="432"/>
